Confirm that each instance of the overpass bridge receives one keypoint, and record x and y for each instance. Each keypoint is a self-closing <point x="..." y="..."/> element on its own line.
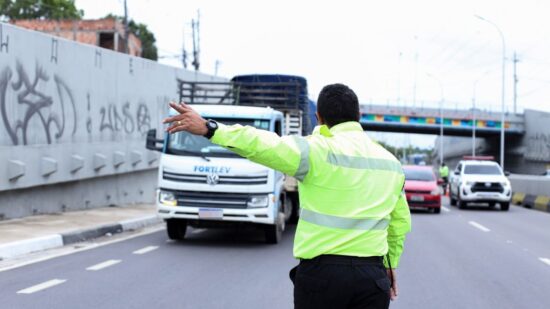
<point x="387" y="118"/>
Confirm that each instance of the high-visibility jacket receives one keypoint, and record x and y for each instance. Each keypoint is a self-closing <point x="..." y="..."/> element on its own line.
<point x="444" y="171"/>
<point x="350" y="188"/>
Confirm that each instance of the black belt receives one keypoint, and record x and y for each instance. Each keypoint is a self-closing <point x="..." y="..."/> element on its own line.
<point x="344" y="260"/>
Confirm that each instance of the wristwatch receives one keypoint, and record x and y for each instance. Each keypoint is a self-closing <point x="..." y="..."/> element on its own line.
<point x="212" y="126"/>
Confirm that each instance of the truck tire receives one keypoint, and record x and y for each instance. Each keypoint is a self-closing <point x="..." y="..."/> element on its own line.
<point x="176" y="228"/>
<point x="295" y="209"/>
<point x="504" y="206"/>
<point x="289" y="207"/>
<point x="274" y="232"/>
<point x="437" y="210"/>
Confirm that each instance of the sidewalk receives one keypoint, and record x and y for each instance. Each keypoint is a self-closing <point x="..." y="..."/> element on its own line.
<point x="36" y="233"/>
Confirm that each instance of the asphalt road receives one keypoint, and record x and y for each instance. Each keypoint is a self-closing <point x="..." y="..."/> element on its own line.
<point x="475" y="258"/>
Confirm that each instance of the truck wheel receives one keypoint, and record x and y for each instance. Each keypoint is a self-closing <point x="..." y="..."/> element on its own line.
<point x="504" y="206"/>
<point x="295" y="209"/>
<point x="289" y="208"/>
<point x="437" y="210"/>
<point x="176" y="228"/>
<point x="274" y="232"/>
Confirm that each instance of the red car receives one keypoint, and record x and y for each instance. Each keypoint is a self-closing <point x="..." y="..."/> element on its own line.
<point x="422" y="188"/>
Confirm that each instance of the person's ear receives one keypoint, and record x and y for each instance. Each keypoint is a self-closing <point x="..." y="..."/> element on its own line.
<point x="320" y="120"/>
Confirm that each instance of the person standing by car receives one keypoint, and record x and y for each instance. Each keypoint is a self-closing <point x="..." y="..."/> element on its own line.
<point x="353" y="210"/>
<point x="444" y="174"/>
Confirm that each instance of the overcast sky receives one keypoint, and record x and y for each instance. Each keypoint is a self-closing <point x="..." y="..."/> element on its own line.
<point x="401" y="52"/>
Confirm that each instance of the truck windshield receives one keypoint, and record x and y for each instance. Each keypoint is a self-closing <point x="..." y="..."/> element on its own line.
<point x="184" y="143"/>
<point x="419" y="175"/>
<point x="482" y="169"/>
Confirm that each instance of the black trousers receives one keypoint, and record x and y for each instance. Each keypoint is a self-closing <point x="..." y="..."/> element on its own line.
<point x="339" y="282"/>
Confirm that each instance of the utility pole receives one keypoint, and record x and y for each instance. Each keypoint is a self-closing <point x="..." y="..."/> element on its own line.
<point x="195" y="25"/>
<point x="126" y="29"/>
<point x="184" y="51"/>
<point x="217" y="66"/>
<point x="515" y="83"/>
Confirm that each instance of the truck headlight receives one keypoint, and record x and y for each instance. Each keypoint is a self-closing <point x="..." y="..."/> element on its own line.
<point x="258" y="201"/>
<point x="167" y="198"/>
<point x="504" y="183"/>
<point x="469" y="183"/>
<point x="435" y="191"/>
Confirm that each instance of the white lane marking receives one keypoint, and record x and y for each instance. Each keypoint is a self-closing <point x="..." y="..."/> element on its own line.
<point x="545" y="261"/>
<point x="41" y="286"/>
<point x="145" y="250"/>
<point x="445" y="209"/>
<point x="90" y="247"/>
<point x="479" y="226"/>
<point x="103" y="265"/>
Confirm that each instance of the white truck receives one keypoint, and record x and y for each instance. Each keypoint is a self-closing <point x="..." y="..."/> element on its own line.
<point x="203" y="185"/>
<point x="480" y="181"/>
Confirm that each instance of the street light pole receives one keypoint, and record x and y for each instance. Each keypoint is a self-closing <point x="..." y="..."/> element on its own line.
<point x="440" y="118"/>
<point x="503" y="87"/>
<point x="474" y="120"/>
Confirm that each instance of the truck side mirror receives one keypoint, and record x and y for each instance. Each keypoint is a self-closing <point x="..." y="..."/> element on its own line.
<point x="457" y="172"/>
<point x="506" y="173"/>
<point x="152" y="141"/>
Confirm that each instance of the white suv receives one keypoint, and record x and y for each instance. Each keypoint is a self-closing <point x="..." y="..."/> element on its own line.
<point x="477" y="181"/>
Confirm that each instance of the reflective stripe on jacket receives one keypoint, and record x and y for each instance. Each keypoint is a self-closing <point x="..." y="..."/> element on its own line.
<point x="350" y="188"/>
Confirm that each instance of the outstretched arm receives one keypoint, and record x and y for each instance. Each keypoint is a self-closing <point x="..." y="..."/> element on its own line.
<point x="286" y="154"/>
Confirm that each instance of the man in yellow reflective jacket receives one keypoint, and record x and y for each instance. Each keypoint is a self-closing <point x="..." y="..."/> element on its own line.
<point x="354" y="215"/>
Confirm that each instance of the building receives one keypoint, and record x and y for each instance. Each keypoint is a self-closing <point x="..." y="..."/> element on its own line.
<point x="107" y="32"/>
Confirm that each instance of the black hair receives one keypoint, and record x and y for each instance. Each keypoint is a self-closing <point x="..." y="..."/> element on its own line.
<point x="337" y="103"/>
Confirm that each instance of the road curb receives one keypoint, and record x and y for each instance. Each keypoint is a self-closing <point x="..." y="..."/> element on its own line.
<point x="21" y="247"/>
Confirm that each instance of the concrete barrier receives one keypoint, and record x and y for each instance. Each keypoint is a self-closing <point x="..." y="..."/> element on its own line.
<point x="531" y="191"/>
<point x="75" y="116"/>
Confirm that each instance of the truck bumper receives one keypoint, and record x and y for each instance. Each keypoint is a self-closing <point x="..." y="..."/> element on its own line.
<point x="257" y="215"/>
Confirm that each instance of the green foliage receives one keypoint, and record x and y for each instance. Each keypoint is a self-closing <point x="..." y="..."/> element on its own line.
<point x="42" y="9"/>
<point x="148" y="40"/>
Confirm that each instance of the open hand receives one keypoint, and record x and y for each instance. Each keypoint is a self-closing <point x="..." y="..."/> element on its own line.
<point x="187" y="120"/>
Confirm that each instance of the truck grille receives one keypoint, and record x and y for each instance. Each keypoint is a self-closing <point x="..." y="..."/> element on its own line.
<point x="212" y="199"/>
<point x="258" y="179"/>
<point x="483" y="187"/>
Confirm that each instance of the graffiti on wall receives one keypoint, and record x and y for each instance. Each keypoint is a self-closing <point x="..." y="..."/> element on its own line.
<point x="538" y="147"/>
<point x="34" y="103"/>
<point x="56" y="114"/>
<point x="125" y="119"/>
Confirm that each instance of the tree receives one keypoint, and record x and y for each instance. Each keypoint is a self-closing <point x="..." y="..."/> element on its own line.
<point x="42" y="9"/>
<point x="147" y="38"/>
<point x="148" y="46"/>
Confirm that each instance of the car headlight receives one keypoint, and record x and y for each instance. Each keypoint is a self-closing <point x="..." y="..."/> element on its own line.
<point x="435" y="191"/>
<point x="168" y="198"/>
<point x="258" y="201"/>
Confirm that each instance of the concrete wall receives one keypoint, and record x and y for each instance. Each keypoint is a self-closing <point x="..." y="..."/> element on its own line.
<point x="74" y="113"/>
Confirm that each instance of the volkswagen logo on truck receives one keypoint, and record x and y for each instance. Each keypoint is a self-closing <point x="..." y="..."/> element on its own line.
<point x="212" y="179"/>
